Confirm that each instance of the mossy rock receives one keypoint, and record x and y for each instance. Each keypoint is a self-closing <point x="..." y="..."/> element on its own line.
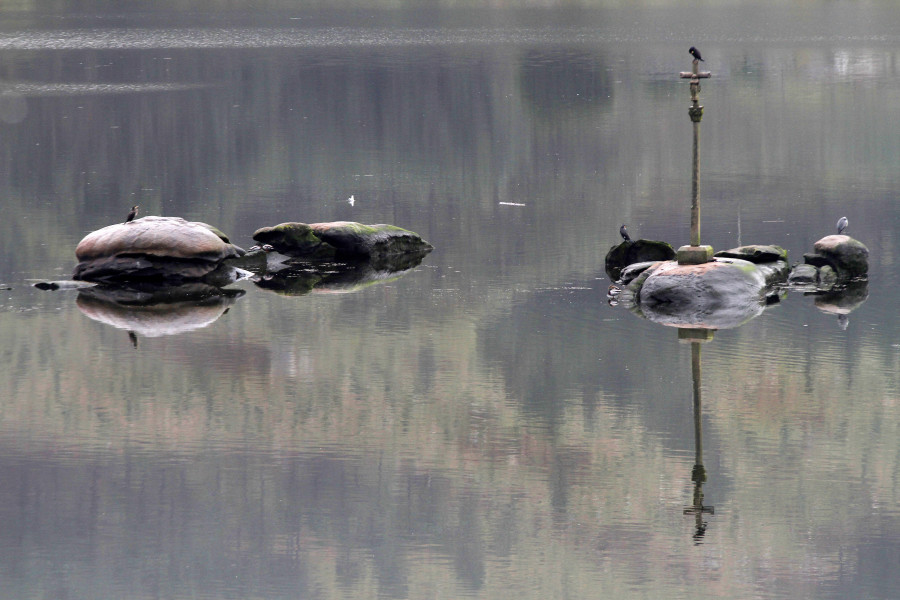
<point x="294" y="239"/>
<point x="755" y="253"/>
<point x="341" y="239"/>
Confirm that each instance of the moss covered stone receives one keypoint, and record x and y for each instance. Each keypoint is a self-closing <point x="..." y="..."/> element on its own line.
<point x="341" y="239"/>
<point x="756" y="253"/>
<point x="294" y="239"/>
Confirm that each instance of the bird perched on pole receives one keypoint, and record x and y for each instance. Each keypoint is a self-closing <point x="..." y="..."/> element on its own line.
<point x="696" y="54"/>
<point x="132" y="214"/>
<point x="624" y="233"/>
<point x="842" y="225"/>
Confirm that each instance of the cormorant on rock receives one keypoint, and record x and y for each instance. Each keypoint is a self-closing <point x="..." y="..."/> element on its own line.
<point x="132" y="214"/>
<point x="624" y="233"/>
<point x="696" y="54"/>
<point x="842" y="225"/>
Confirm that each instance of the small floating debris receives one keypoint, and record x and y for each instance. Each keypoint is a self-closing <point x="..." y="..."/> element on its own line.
<point x="351" y="200"/>
<point x="511" y="203"/>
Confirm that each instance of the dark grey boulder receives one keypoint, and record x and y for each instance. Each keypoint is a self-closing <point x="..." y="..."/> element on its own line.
<point x="152" y="248"/>
<point x="755" y="253"/>
<point x="848" y="257"/>
<point x="636" y="251"/>
<point x="804" y="275"/>
<point x="341" y="239"/>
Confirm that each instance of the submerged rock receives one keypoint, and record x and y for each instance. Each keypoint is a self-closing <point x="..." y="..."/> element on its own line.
<point x="152" y="248"/>
<point x="341" y="239"/>
<point x="636" y="251"/>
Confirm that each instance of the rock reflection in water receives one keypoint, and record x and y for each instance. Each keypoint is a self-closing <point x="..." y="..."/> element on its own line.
<point x="843" y="300"/>
<point x="157" y="311"/>
<point x="300" y="278"/>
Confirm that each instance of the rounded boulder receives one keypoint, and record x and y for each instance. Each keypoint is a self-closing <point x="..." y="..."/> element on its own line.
<point x="151" y="247"/>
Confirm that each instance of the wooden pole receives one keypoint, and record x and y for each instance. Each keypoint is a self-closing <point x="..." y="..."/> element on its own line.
<point x="695" y="187"/>
<point x="696" y="114"/>
<point x="695" y="254"/>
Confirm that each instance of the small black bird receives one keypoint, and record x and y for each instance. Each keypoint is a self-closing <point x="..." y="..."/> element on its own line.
<point x="624" y="233"/>
<point x="696" y="54"/>
<point x="842" y="225"/>
<point x="132" y="214"/>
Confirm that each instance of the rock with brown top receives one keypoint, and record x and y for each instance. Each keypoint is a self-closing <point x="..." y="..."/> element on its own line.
<point x="152" y="248"/>
<point x="848" y="257"/>
<point x="720" y="294"/>
<point x="755" y="253"/>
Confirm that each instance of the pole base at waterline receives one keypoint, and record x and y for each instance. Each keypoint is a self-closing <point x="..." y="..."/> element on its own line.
<point x="695" y="334"/>
<point x="694" y="255"/>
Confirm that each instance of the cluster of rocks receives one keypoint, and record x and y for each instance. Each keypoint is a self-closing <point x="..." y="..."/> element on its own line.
<point x="165" y="275"/>
<point x="737" y="284"/>
<point x="170" y="260"/>
<point x="171" y="250"/>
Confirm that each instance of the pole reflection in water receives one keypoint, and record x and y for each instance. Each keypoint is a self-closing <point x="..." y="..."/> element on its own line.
<point x="698" y="473"/>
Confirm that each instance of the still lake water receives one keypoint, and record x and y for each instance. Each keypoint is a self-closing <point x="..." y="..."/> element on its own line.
<point x="485" y="425"/>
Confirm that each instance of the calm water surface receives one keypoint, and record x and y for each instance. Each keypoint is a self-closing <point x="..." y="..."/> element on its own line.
<point x="484" y="425"/>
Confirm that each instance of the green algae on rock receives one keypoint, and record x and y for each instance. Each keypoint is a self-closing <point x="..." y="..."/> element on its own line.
<point x="341" y="239"/>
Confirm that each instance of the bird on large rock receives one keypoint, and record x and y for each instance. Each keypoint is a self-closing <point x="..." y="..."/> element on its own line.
<point x="624" y="233"/>
<point x="132" y="214"/>
<point x="842" y="225"/>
